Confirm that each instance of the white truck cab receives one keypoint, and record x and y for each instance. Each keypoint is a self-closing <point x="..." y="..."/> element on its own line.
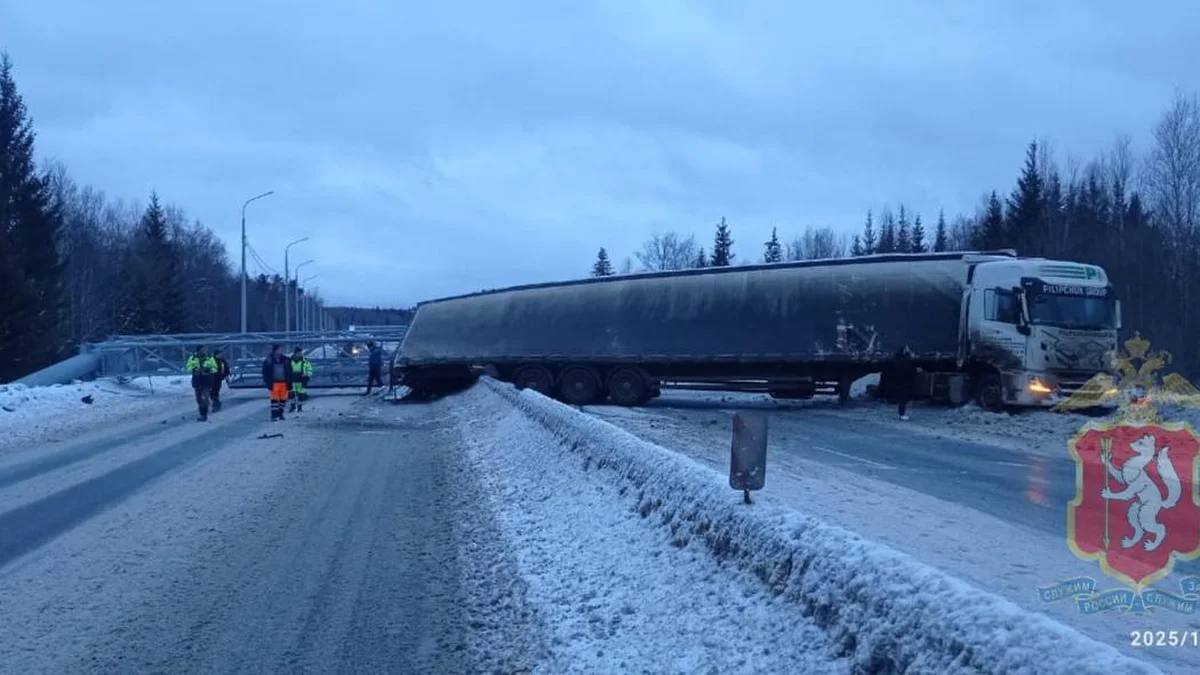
<point x="1035" y="330"/>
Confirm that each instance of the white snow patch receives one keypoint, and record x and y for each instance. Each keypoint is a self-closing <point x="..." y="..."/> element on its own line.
<point x="883" y="610"/>
<point x="36" y="414"/>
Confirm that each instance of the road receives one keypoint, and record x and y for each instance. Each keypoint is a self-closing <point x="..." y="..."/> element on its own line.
<point x="447" y="537"/>
<point x="335" y="548"/>
<point x="993" y="514"/>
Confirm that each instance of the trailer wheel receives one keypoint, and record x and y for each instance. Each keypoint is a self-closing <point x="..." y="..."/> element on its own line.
<point x="537" y="378"/>
<point x="579" y="385"/>
<point x="988" y="392"/>
<point x="627" y="387"/>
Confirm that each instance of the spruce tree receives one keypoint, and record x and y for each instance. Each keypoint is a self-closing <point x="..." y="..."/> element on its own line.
<point x="602" y="267"/>
<point x="903" y="235"/>
<point x="153" y="301"/>
<point x="869" y="242"/>
<point x="991" y="234"/>
<point x="1025" y="205"/>
<point x="701" y="259"/>
<point x="939" y="238"/>
<point x="30" y="269"/>
<point x="887" y="233"/>
<point x="722" y="255"/>
<point x="918" y="236"/>
<point x="856" y="247"/>
<point x="772" y="251"/>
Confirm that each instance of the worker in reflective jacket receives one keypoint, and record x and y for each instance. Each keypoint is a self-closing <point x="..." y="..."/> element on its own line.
<point x="203" y="369"/>
<point x="301" y="373"/>
<point x="277" y="377"/>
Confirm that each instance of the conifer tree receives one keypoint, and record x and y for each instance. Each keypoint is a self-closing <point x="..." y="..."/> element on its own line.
<point x="940" y="238"/>
<point x="722" y="255"/>
<point x="917" y="244"/>
<point x="856" y="247"/>
<point x="30" y="270"/>
<point x="153" y="298"/>
<point x="701" y="259"/>
<point x="887" y="233"/>
<point x="991" y="233"/>
<point x="1026" y="205"/>
<point x="869" y="241"/>
<point x="772" y="251"/>
<point x="903" y="234"/>
<point x="603" y="266"/>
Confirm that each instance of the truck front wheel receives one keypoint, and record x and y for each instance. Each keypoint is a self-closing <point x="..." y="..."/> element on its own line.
<point x="579" y="385"/>
<point x="989" y="393"/>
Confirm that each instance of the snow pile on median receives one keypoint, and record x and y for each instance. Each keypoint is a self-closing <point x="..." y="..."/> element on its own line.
<point x="34" y="414"/>
<point x="884" y="611"/>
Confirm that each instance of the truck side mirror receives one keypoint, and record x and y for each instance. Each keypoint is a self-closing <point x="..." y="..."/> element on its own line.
<point x="1023" y="319"/>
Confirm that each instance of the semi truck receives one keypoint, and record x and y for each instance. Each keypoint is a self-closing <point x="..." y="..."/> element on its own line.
<point x="1004" y="330"/>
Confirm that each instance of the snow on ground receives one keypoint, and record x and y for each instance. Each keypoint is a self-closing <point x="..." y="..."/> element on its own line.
<point x="36" y="415"/>
<point x="1000" y="556"/>
<point x="877" y="494"/>
<point x="612" y="593"/>
<point x="877" y="608"/>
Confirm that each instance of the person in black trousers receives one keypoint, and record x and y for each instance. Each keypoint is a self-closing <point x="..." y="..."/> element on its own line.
<point x="374" y="367"/>
<point x="218" y="379"/>
<point x="903" y="380"/>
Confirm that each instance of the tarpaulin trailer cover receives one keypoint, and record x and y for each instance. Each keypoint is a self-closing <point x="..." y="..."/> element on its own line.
<point x="860" y="309"/>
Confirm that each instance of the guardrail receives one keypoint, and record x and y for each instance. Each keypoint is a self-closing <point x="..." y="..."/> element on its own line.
<point x="339" y="358"/>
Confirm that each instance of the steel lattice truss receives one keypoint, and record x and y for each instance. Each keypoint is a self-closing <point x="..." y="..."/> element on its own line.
<point x="339" y="358"/>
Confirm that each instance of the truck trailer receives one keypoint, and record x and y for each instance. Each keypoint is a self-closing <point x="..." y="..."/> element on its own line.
<point x="1002" y="329"/>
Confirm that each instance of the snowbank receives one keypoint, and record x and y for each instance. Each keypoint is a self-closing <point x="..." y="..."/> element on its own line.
<point x="885" y="611"/>
<point x="34" y="414"/>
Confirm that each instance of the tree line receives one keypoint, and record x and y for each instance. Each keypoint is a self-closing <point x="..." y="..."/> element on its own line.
<point x="1134" y="213"/>
<point x="78" y="266"/>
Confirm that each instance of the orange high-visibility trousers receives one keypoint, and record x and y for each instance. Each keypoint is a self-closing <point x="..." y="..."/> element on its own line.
<point x="279" y="397"/>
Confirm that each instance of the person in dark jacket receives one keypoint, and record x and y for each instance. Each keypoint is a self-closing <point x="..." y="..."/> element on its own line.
<point x="202" y="368"/>
<point x="277" y="377"/>
<point x="374" y="366"/>
<point x="218" y="379"/>
<point x="903" y="380"/>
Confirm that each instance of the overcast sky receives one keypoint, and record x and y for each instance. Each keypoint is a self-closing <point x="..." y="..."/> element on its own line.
<point x="438" y="148"/>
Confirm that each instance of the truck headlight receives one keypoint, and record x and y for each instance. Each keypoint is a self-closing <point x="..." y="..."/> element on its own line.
<point x="1038" y="387"/>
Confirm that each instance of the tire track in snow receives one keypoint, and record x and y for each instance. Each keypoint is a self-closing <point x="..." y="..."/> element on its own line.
<point x="87" y="450"/>
<point x="29" y="526"/>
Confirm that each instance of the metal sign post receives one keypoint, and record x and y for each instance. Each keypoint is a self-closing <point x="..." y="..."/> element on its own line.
<point x="748" y="454"/>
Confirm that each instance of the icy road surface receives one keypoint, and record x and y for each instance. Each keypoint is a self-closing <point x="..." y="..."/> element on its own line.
<point x="370" y="537"/>
<point x="979" y="495"/>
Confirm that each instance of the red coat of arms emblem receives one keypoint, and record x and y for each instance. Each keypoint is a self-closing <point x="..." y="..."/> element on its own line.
<point x="1137" y="505"/>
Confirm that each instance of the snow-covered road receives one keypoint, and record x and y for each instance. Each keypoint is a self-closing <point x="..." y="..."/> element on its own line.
<point x="488" y="531"/>
<point x="202" y="547"/>
<point x="980" y="495"/>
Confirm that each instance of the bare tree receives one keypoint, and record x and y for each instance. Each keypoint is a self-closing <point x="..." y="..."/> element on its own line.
<point x="667" y="251"/>
<point x="1173" y="168"/>
<point x="961" y="234"/>
<point x="817" y="243"/>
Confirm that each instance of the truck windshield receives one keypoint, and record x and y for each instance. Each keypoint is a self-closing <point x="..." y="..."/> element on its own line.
<point x="1068" y="311"/>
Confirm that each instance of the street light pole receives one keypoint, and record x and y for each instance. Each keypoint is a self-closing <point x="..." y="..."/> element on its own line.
<point x="298" y="285"/>
<point x="265" y="194"/>
<point x="305" y="309"/>
<point x="287" y="297"/>
<point x="308" y="304"/>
